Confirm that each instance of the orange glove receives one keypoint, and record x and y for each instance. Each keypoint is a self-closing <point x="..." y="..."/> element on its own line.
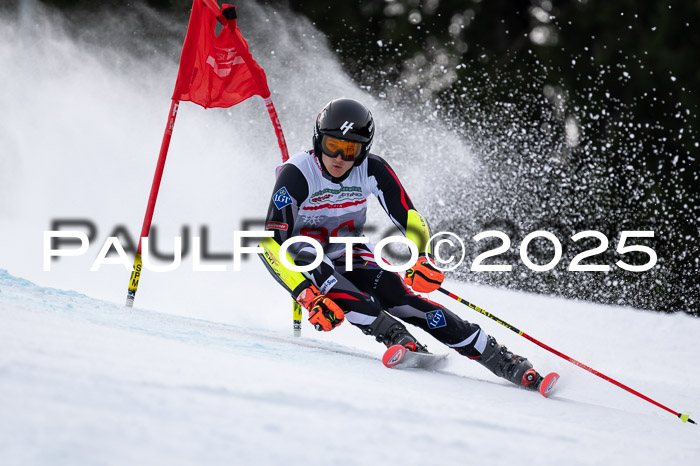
<point x="324" y="313"/>
<point x="423" y="277"/>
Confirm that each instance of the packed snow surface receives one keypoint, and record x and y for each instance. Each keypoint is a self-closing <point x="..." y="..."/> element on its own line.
<point x="84" y="381"/>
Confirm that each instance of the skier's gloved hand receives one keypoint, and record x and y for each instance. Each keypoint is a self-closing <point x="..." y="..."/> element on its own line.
<point x="324" y="313"/>
<point x="424" y="277"/>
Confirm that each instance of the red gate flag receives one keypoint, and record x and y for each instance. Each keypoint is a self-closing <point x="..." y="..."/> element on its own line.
<point x="217" y="71"/>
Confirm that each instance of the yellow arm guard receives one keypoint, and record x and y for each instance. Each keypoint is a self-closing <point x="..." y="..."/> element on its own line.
<point x="417" y="230"/>
<point x="295" y="282"/>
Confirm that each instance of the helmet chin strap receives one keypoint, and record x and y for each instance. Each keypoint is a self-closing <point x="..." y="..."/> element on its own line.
<point x="327" y="174"/>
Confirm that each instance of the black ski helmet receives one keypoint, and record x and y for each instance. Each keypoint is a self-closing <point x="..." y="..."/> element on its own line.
<point x="345" y="119"/>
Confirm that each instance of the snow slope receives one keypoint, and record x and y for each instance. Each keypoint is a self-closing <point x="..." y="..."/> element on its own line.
<point x="84" y="381"/>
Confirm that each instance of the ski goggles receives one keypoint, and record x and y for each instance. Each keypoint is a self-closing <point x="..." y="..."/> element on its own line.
<point x="348" y="150"/>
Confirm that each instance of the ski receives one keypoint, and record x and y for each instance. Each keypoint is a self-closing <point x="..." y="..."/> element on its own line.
<point x="547" y="385"/>
<point x="401" y="357"/>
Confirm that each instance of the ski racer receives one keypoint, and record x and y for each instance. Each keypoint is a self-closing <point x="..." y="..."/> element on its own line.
<point x="323" y="193"/>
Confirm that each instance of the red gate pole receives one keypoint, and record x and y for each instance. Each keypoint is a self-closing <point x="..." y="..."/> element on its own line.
<point x="148" y="218"/>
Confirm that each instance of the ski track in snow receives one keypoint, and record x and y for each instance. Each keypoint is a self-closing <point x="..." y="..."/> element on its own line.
<point x="84" y="381"/>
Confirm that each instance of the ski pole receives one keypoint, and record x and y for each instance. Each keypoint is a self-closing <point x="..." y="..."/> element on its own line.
<point x="682" y="417"/>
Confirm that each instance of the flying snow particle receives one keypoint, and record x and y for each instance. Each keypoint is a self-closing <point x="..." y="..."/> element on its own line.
<point x="572" y="132"/>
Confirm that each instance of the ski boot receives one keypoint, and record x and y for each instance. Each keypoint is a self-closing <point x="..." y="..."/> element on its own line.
<point x="391" y="332"/>
<point x="511" y="367"/>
